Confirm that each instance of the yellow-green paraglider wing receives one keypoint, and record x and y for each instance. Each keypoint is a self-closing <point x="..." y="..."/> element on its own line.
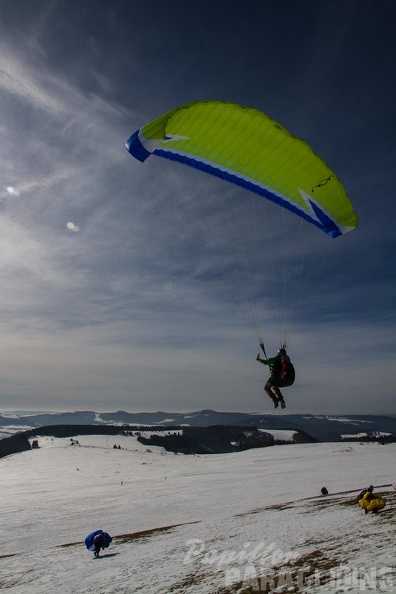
<point x="249" y="149"/>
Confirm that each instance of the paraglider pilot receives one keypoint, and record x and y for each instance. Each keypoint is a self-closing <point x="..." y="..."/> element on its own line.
<point x="369" y="501"/>
<point x="97" y="540"/>
<point x="281" y="375"/>
<point x="99" y="543"/>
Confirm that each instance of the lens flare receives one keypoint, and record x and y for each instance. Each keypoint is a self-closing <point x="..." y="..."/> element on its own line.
<point x="11" y="191"/>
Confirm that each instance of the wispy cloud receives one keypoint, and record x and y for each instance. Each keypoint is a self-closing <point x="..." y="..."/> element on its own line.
<point x="116" y="275"/>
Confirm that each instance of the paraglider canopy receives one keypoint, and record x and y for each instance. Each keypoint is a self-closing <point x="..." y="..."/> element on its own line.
<point x="247" y="148"/>
<point x="89" y="540"/>
<point x="251" y="152"/>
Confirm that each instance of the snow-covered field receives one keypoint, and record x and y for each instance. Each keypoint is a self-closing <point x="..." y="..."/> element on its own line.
<point x="242" y="522"/>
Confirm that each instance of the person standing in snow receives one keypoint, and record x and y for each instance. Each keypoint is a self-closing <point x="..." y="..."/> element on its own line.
<point x="99" y="543"/>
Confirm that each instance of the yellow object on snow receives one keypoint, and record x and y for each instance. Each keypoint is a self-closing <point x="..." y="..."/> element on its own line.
<point x="371" y="502"/>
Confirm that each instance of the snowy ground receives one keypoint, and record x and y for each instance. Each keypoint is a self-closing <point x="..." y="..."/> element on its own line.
<point x="245" y="522"/>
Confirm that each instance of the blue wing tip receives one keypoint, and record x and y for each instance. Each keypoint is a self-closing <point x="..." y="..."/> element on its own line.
<point x="135" y="148"/>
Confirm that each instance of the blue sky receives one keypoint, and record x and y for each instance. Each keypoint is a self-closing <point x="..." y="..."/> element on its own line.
<point x="108" y="299"/>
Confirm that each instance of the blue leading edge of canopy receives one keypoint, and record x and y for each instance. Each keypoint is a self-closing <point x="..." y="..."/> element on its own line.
<point x="324" y="223"/>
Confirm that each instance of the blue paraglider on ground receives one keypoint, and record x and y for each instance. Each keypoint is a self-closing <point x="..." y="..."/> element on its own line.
<point x="89" y="541"/>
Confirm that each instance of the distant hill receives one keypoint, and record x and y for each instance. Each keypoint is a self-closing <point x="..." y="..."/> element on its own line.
<point x="320" y="427"/>
<point x="214" y="439"/>
<point x="220" y="439"/>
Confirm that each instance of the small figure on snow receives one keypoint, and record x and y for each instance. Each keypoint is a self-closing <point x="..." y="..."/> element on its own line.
<point x="370" y="501"/>
<point x="282" y="374"/>
<point x="324" y="491"/>
<point x="99" y="543"/>
<point x="97" y="540"/>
